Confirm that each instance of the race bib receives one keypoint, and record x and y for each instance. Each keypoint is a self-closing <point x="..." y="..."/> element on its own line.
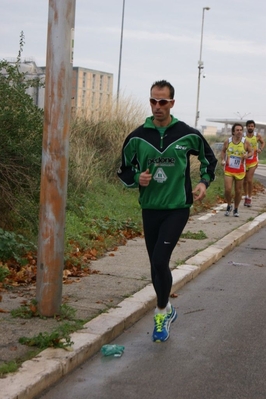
<point x="234" y="162"/>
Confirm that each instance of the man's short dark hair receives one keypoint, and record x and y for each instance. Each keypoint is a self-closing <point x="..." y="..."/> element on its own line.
<point x="249" y="122"/>
<point x="162" y="84"/>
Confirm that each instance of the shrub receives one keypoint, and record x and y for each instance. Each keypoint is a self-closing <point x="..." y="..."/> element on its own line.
<point x="20" y="144"/>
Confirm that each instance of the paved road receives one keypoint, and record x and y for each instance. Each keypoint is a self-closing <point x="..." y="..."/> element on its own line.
<point x="261" y="174"/>
<point x="216" y="349"/>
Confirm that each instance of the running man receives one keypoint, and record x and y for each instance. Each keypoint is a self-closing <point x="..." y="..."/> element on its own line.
<point x="257" y="143"/>
<point x="234" y="153"/>
<point x="156" y="159"/>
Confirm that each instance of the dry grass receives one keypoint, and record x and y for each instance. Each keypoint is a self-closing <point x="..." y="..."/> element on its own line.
<point x="95" y="145"/>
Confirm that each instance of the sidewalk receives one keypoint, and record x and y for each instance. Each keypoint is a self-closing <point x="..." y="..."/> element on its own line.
<point x="115" y="297"/>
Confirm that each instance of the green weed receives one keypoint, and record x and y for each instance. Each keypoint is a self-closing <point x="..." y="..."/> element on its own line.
<point x="180" y="262"/>
<point x="13" y="245"/>
<point x="250" y="219"/>
<point x="46" y="340"/>
<point x="4" y="272"/>
<point x="66" y="313"/>
<point x="9" y="367"/>
<point x="13" y="365"/>
<point x="59" y="338"/>
<point x="200" y="235"/>
<point x="30" y="310"/>
<point x="26" y="311"/>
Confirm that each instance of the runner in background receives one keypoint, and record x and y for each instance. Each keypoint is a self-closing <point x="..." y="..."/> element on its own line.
<point x="257" y="143"/>
<point x="234" y="153"/>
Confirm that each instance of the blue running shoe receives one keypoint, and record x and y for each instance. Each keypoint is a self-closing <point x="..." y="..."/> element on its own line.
<point x="162" y="324"/>
<point x="172" y="315"/>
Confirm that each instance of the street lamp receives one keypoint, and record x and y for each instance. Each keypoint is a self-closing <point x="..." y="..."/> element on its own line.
<point x="243" y="116"/>
<point x="200" y="66"/>
<point x="120" y="54"/>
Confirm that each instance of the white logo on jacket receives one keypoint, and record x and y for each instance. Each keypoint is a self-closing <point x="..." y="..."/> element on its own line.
<point x="160" y="176"/>
<point x="180" y="147"/>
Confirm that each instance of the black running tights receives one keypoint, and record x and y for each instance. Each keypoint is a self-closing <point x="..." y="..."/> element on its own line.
<point x="162" y="230"/>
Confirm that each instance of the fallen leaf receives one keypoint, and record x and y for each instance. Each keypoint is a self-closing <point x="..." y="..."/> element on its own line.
<point x="33" y="308"/>
<point x="173" y="295"/>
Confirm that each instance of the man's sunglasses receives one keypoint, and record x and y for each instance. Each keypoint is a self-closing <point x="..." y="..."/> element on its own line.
<point x="162" y="102"/>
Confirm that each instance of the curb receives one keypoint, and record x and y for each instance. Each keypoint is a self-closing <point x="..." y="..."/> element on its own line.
<point x="39" y="373"/>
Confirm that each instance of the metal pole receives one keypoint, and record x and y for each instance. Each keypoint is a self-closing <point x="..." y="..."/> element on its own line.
<point x="200" y="67"/>
<point x="120" y="53"/>
<point x="54" y="172"/>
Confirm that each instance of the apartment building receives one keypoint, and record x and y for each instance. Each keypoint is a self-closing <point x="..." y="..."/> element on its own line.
<point x="92" y="90"/>
<point x="31" y="72"/>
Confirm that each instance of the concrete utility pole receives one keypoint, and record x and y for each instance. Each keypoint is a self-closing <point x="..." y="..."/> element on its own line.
<point x="54" y="173"/>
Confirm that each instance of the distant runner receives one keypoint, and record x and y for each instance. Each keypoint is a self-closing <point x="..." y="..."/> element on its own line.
<point x="257" y="143"/>
<point x="234" y="153"/>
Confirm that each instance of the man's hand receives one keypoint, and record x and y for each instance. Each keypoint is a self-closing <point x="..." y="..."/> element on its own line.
<point x="199" y="191"/>
<point x="145" y="178"/>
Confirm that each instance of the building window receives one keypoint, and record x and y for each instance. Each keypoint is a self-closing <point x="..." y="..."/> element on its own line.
<point x="93" y="81"/>
<point x="84" y="80"/>
<point x="101" y="82"/>
<point x="108" y="83"/>
<point x="83" y="99"/>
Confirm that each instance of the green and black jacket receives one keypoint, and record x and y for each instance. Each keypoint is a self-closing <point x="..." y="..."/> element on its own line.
<point x="167" y="157"/>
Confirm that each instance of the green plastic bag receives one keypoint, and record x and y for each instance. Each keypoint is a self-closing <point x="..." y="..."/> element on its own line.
<point x="112" y="350"/>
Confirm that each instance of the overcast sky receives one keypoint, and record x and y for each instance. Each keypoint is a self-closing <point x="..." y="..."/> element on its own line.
<point x="161" y="40"/>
